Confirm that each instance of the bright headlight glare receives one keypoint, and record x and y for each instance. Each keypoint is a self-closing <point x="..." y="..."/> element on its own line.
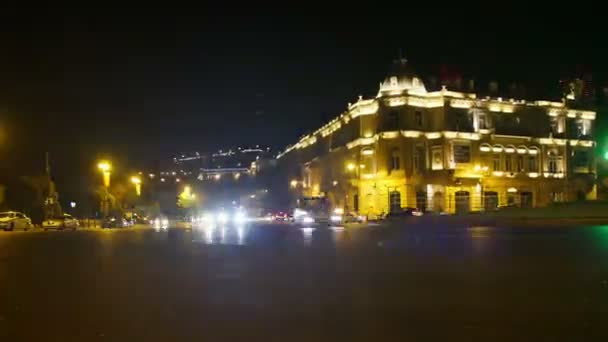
<point x="338" y="211"/>
<point x="240" y="217"/>
<point x="299" y="212"/>
<point x="336" y="218"/>
<point x="308" y="219"/>
<point x="222" y="217"/>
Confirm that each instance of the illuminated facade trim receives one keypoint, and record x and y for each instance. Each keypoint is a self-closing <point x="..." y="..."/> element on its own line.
<point x="409" y="150"/>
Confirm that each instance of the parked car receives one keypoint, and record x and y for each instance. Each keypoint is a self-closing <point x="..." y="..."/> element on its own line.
<point x="65" y="221"/>
<point x="11" y="220"/>
<point x="404" y="212"/>
<point x="114" y="222"/>
<point x="353" y="218"/>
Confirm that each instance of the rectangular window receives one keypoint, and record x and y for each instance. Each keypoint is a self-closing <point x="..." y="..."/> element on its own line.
<point x="581" y="158"/>
<point x="532" y="164"/>
<point x="557" y="197"/>
<point x="555" y="164"/>
<point x="462" y="153"/>
<point x="482" y="124"/>
<point x="583" y="127"/>
<point x="418" y="118"/>
<point x="496" y="163"/>
<point x="520" y="164"/>
<point x="395" y="163"/>
<point x="508" y="164"/>
<point x="437" y="161"/>
<point x="557" y="125"/>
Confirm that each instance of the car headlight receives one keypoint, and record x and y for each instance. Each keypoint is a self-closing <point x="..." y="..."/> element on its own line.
<point x="299" y="212"/>
<point x="308" y="219"/>
<point x="240" y="217"/>
<point x="165" y="222"/>
<point x="208" y="218"/>
<point x="222" y="218"/>
<point x="336" y="218"/>
<point x="339" y="211"/>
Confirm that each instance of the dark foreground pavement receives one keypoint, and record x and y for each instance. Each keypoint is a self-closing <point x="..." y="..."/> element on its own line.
<point x="279" y="283"/>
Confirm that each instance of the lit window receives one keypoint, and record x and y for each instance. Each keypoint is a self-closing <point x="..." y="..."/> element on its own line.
<point x="520" y="163"/>
<point x="557" y="125"/>
<point x="508" y="164"/>
<point x="583" y="127"/>
<point x="481" y="122"/>
<point x="462" y="153"/>
<point x="496" y="163"/>
<point x="555" y="164"/>
<point x="557" y="196"/>
<point x="532" y="164"/>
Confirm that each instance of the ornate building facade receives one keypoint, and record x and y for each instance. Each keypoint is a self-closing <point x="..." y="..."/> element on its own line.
<point x="445" y="151"/>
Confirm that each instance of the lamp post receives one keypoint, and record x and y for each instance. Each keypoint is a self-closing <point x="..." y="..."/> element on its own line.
<point x="137" y="182"/>
<point x="105" y="168"/>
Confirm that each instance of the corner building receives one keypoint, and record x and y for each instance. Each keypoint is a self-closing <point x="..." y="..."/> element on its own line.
<point x="445" y="151"/>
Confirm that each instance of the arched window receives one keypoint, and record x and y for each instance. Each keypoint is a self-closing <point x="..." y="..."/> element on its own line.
<point x="533" y="159"/>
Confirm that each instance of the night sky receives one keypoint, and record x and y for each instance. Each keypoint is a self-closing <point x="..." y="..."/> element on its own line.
<point x="141" y="84"/>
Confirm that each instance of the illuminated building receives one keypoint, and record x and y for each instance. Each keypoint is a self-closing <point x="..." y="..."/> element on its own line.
<point x="445" y="151"/>
<point x="229" y="164"/>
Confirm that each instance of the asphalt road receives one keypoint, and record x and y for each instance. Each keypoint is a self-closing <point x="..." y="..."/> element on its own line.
<point x="277" y="282"/>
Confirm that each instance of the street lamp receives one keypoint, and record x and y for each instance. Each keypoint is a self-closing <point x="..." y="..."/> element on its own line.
<point x="106" y="168"/>
<point x="137" y="182"/>
<point x="293" y="183"/>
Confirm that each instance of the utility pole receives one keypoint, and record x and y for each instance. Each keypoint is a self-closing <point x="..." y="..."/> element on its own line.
<point x="51" y="208"/>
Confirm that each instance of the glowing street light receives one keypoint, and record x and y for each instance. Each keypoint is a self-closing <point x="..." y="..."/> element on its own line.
<point x="106" y="168"/>
<point x="293" y="183"/>
<point x="137" y="182"/>
<point x="350" y="166"/>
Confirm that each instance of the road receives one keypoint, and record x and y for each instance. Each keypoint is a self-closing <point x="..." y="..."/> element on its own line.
<point x="277" y="282"/>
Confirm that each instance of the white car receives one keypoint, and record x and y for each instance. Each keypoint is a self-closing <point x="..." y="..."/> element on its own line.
<point x="11" y="220"/>
<point x="65" y="221"/>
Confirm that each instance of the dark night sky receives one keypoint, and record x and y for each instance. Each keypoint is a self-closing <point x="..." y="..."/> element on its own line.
<point x="140" y="84"/>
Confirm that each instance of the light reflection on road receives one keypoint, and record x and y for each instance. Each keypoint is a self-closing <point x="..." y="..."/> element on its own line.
<point x="307" y="235"/>
<point x="220" y="234"/>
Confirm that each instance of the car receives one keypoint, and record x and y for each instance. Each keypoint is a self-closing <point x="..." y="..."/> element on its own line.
<point x="404" y="212"/>
<point x="281" y="216"/>
<point x="10" y="220"/>
<point x="160" y="222"/>
<point x="352" y="218"/>
<point x="114" y="222"/>
<point x="60" y="222"/>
